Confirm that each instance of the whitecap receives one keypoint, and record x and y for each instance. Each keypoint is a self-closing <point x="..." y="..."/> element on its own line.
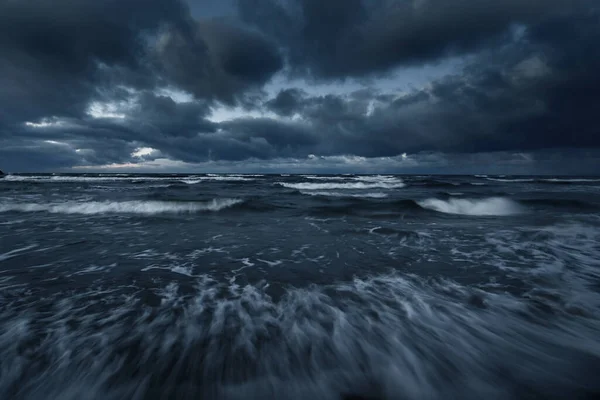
<point x="75" y="179"/>
<point x="515" y="180"/>
<point x="121" y="207"/>
<point x="342" y="185"/>
<point x="198" y="179"/>
<point x="492" y="206"/>
<point x="374" y="195"/>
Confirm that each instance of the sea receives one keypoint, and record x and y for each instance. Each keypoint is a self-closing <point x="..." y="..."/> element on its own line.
<point x="333" y="287"/>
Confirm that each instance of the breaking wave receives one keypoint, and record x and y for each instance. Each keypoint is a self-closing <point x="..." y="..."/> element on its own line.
<point x="374" y="195"/>
<point x="387" y="337"/>
<point x="121" y="207"/>
<point x="343" y="185"/>
<point x="225" y="178"/>
<point x="515" y="180"/>
<point x="493" y="206"/>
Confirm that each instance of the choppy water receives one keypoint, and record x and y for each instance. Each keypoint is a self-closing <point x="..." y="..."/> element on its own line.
<point x="296" y="287"/>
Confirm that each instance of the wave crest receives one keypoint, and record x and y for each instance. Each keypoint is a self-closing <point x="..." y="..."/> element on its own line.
<point x="374" y="195"/>
<point x="122" y="207"/>
<point x="492" y="206"/>
<point x="343" y="185"/>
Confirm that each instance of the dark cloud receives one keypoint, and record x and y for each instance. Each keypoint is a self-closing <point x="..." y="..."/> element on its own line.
<point x="55" y="52"/>
<point x="57" y="55"/>
<point x="341" y="38"/>
<point x="219" y="61"/>
<point x="287" y="102"/>
<point x="88" y="83"/>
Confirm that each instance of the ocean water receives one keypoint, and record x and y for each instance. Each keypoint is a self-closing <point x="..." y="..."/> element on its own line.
<point x="299" y="287"/>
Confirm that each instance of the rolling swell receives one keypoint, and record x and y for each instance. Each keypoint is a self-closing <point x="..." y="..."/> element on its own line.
<point x="572" y="204"/>
<point x="122" y="207"/>
<point x="111" y="293"/>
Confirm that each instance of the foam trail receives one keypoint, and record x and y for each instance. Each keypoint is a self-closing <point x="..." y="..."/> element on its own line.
<point x="342" y="186"/>
<point x="515" y="180"/>
<point x="121" y="207"/>
<point x="374" y="195"/>
<point x="198" y="179"/>
<point x="493" y="206"/>
<point x="76" y="179"/>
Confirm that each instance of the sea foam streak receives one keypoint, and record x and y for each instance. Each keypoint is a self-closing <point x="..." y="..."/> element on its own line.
<point x="493" y="206"/>
<point x="121" y="207"/>
<point x="375" y="195"/>
<point x="121" y="178"/>
<point x="514" y="180"/>
<point x="75" y="179"/>
<point x="343" y="185"/>
<point x="197" y="179"/>
<point x="320" y="343"/>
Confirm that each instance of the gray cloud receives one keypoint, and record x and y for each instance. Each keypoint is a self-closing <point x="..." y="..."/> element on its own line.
<point x="87" y="83"/>
<point x="341" y="38"/>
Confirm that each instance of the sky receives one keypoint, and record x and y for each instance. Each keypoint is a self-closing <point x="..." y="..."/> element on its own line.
<point x="284" y="86"/>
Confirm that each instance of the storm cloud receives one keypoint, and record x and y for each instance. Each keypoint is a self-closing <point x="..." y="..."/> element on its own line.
<point x="300" y="84"/>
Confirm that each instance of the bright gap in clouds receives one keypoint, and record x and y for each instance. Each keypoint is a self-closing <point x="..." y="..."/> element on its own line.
<point x="178" y="96"/>
<point x="141" y="152"/>
<point x="223" y="114"/>
<point x="45" y="123"/>
<point x="111" y="110"/>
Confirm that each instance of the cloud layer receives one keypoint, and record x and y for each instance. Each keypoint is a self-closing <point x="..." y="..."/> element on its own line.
<point x="87" y="84"/>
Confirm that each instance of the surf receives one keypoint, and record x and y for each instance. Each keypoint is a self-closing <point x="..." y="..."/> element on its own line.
<point x="122" y="207"/>
<point x="492" y="206"/>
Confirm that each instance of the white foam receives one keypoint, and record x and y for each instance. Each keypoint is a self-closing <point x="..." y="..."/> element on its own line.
<point x="121" y="207"/>
<point x="227" y="178"/>
<point x="493" y="206"/>
<point x="16" y="252"/>
<point x="377" y="178"/>
<point x="59" y="179"/>
<point x="516" y="180"/>
<point x="191" y="181"/>
<point x="136" y="178"/>
<point x="374" y="195"/>
<point x="342" y="185"/>
<point x="323" y="178"/>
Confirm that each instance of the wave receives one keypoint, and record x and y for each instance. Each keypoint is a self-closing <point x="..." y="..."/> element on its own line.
<point x="198" y="179"/>
<point x="435" y="183"/>
<point x="567" y="203"/>
<point x="74" y="179"/>
<point x="121" y="207"/>
<point x="322" y="178"/>
<point x="574" y="180"/>
<point x="493" y="206"/>
<point x="387" y="337"/>
<point x="342" y="185"/>
<point x="374" y="195"/>
<point x="125" y="178"/>
<point x="508" y="180"/>
<point x="377" y="178"/>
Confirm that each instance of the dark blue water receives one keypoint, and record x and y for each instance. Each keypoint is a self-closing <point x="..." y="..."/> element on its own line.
<point x="298" y="287"/>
